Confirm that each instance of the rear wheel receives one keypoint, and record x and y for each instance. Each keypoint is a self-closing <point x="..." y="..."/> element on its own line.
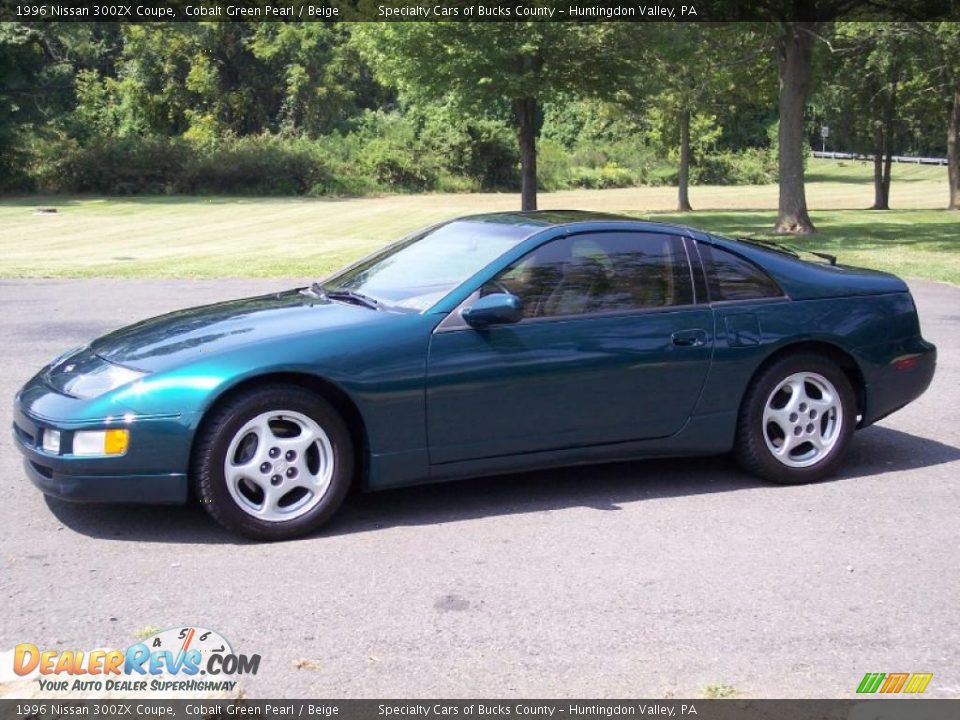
<point x="273" y="463"/>
<point x="796" y="420"/>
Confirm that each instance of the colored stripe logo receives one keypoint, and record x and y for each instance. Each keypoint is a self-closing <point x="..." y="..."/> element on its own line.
<point x="913" y="683"/>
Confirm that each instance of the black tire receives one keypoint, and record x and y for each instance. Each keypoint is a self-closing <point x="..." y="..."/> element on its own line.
<point x="750" y="448"/>
<point x="219" y="429"/>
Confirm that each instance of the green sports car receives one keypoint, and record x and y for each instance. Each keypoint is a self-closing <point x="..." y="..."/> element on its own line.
<point x="483" y="345"/>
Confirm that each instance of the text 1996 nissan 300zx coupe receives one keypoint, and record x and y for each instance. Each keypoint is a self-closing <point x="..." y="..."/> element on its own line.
<point x="484" y="345"/>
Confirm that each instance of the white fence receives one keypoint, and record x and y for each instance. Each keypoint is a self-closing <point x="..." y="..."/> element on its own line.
<point x="896" y="158"/>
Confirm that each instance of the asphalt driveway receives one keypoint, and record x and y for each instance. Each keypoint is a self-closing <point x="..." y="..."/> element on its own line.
<point x="639" y="579"/>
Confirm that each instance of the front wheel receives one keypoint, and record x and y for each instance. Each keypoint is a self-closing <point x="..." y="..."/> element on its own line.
<point x="796" y="420"/>
<point x="273" y="463"/>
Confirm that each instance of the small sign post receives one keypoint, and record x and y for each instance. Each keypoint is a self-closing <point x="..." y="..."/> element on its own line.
<point x="824" y="134"/>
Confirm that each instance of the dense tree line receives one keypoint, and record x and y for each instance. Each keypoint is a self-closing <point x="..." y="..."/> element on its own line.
<point x="326" y="108"/>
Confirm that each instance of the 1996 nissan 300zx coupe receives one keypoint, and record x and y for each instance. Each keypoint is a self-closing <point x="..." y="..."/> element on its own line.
<point x="484" y="345"/>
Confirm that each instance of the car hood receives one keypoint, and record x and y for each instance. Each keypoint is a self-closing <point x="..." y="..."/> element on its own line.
<point x="178" y="337"/>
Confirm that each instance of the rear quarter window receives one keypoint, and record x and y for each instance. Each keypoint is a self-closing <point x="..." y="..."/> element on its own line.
<point x="731" y="277"/>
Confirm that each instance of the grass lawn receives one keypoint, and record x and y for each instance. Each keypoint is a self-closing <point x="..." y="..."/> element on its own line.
<point x="253" y="237"/>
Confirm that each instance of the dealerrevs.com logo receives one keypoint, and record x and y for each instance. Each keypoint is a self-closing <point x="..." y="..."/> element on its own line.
<point x="909" y="683"/>
<point x="185" y="659"/>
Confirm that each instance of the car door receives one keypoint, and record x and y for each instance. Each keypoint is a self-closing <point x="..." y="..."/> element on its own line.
<point x="612" y="347"/>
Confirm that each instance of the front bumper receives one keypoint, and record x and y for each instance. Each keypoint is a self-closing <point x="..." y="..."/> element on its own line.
<point x="150" y="489"/>
<point x="153" y="470"/>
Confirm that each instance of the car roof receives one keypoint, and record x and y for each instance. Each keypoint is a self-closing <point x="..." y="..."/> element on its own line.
<point x="542" y="219"/>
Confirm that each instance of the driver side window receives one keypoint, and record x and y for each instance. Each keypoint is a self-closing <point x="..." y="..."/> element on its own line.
<point x="600" y="272"/>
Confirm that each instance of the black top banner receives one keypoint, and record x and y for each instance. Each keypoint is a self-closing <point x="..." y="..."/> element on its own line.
<point x="142" y="11"/>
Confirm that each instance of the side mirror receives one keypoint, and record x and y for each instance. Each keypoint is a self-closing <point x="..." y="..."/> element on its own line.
<point x="494" y="309"/>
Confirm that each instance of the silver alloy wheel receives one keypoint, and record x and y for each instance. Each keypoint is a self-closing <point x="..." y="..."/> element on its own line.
<point x="279" y="465"/>
<point x="802" y="419"/>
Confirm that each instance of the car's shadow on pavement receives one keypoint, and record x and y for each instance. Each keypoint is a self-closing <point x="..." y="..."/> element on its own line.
<point x="875" y="451"/>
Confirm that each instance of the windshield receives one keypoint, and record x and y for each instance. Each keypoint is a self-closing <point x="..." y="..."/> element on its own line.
<point x="418" y="271"/>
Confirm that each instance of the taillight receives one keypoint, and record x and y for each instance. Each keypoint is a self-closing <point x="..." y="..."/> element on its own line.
<point x="906" y="363"/>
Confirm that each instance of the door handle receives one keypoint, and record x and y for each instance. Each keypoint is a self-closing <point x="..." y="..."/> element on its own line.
<point x="689" y="338"/>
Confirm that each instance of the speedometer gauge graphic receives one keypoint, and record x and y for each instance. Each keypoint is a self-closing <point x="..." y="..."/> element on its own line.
<point x="178" y="640"/>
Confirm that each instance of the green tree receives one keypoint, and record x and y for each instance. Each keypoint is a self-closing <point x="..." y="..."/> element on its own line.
<point x="798" y="24"/>
<point x="21" y="61"/>
<point x="875" y="79"/>
<point x="943" y="39"/>
<point x="37" y="64"/>
<point x="690" y="71"/>
<point x="323" y="81"/>
<point x="489" y="67"/>
<point x="794" y="43"/>
<point x="212" y="79"/>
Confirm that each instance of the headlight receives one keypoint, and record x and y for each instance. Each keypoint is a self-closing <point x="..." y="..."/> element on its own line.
<point x="91" y="443"/>
<point x="63" y="356"/>
<point x="51" y="441"/>
<point x="101" y="379"/>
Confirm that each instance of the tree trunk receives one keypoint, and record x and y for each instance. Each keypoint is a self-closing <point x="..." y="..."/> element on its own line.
<point x="683" y="176"/>
<point x="795" y="69"/>
<point x="887" y="165"/>
<point x="526" y="111"/>
<point x="879" y="203"/>
<point x="883" y="147"/>
<point x="882" y="164"/>
<point x="953" y="152"/>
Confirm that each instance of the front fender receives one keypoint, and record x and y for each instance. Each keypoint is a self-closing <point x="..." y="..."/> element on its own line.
<point x="382" y="373"/>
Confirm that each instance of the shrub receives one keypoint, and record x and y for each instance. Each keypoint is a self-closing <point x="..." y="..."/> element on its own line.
<point x="114" y="166"/>
<point x="257" y="165"/>
<point x="449" y="183"/>
<point x="385" y="152"/>
<point x="397" y="167"/>
<point x="491" y="156"/>
<point x="554" y="166"/>
<point x="480" y="150"/>
<point x="748" y="167"/>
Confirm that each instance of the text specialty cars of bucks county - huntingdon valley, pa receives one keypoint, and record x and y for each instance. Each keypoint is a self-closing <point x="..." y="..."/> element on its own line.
<point x="484" y="345"/>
